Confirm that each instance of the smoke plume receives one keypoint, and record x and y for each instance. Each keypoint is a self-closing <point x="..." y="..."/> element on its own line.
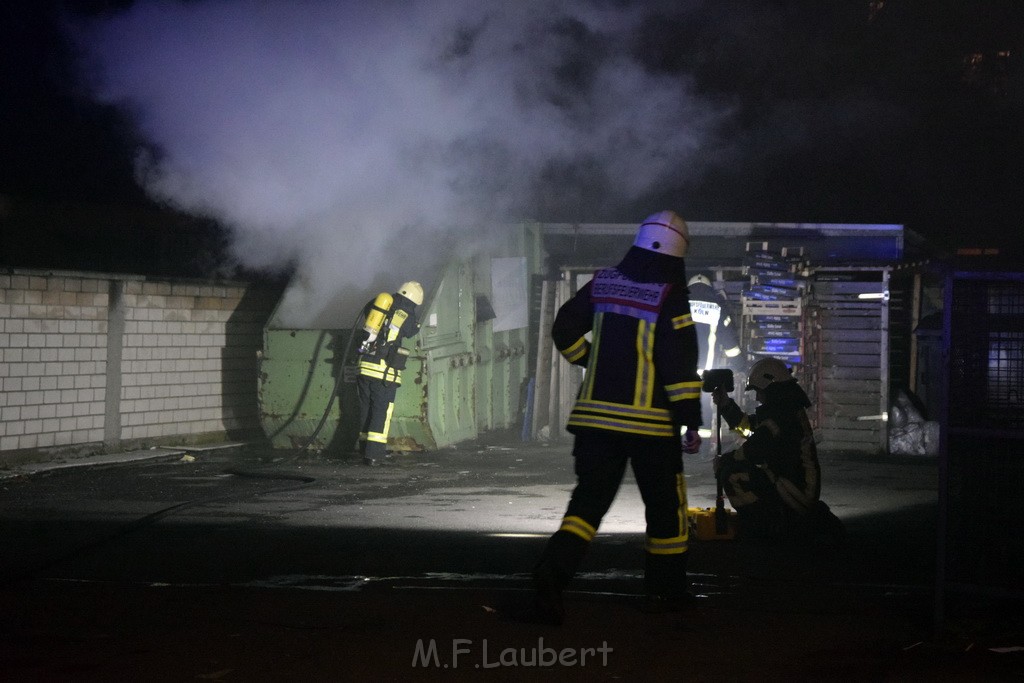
<point x="360" y="142"/>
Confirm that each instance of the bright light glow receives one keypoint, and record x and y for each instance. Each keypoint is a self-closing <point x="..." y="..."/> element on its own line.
<point x="506" y="497"/>
<point x="519" y="535"/>
<point x="873" y="295"/>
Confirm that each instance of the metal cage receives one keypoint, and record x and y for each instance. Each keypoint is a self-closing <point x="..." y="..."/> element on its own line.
<point x="981" y="467"/>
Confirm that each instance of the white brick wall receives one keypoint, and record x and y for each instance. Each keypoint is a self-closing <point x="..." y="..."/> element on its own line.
<point x="53" y="352"/>
<point x="173" y="374"/>
<point x="188" y="359"/>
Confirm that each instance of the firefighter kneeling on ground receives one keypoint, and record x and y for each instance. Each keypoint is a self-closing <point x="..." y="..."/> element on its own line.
<point x="389" y="319"/>
<point x="773" y="479"/>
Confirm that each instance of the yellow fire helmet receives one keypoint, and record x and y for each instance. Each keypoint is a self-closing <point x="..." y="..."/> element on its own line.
<point x="664" y="232"/>
<point x="412" y="291"/>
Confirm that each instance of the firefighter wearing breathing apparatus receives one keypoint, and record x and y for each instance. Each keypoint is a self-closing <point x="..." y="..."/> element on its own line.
<point x="388" y="320"/>
<point x="639" y="392"/>
<point x="773" y="479"/>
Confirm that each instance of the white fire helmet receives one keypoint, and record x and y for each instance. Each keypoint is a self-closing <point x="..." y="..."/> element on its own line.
<point x="664" y="232"/>
<point x="699" y="279"/>
<point x="412" y="291"/>
<point x="766" y="371"/>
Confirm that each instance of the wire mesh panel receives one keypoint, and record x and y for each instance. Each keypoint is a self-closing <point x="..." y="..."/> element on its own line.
<point x="987" y="354"/>
<point x="981" y="547"/>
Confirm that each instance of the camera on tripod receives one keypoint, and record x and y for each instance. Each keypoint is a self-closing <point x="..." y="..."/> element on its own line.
<point x="719" y="378"/>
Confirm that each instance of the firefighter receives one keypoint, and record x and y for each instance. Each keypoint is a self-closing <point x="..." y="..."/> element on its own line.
<point x="388" y="320"/>
<point x="773" y="479"/>
<point x="639" y="392"/>
<point x="717" y="337"/>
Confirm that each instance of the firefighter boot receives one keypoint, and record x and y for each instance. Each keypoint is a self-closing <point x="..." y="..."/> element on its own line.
<point x="556" y="567"/>
<point x="828" y="528"/>
<point x="666" y="586"/>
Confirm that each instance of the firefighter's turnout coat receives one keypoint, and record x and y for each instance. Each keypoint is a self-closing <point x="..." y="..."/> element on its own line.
<point x="380" y="374"/>
<point x="780" y="444"/>
<point x="717" y="336"/>
<point x="641" y="369"/>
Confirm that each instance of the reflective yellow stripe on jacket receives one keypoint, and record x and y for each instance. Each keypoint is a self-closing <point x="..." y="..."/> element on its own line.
<point x="380" y="370"/>
<point x="621" y="418"/>
<point x="576" y="351"/>
<point x="683" y="391"/>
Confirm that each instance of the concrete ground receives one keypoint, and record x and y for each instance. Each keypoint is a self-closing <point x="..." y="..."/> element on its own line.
<point x="244" y="564"/>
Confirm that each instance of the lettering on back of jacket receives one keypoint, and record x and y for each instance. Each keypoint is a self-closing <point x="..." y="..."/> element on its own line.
<point x="613" y="291"/>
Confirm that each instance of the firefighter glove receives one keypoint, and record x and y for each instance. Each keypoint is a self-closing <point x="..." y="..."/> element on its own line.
<point x="691" y="442"/>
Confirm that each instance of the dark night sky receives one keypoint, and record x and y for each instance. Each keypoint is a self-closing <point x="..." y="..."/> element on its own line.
<point x="835" y="114"/>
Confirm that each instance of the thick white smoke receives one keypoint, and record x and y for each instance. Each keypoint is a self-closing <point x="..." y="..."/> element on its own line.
<point x="324" y="132"/>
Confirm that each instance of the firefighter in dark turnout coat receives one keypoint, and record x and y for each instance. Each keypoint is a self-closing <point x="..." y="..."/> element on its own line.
<point x="639" y="392"/>
<point x="717" y="336"/>
<point x="718" y="339"/>
<point x="388" y="320"/>
<point x="773" y="479"/>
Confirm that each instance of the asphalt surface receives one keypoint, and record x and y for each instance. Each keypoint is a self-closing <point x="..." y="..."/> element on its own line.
<point x="245" y="564"/>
